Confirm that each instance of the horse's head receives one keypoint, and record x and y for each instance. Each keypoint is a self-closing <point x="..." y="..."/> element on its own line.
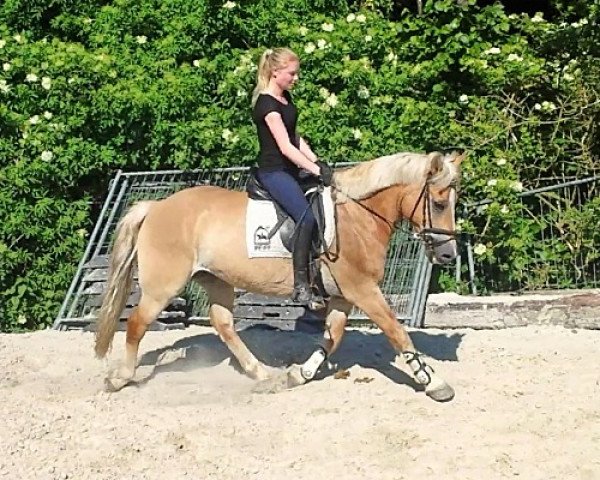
<point x="430" y="206"/>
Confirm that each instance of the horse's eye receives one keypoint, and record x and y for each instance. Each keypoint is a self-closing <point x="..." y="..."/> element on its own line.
<point x="439" y="206"/>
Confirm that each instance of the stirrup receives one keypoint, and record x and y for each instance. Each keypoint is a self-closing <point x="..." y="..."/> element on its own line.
<point x="307" y="297"/>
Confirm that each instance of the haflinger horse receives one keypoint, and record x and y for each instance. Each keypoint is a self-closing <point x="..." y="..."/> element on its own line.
<point x="199" y="234"/>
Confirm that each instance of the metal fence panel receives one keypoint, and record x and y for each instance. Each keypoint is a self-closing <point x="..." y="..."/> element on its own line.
<point x="563" y="252"/>
<point x="407" y="270"/>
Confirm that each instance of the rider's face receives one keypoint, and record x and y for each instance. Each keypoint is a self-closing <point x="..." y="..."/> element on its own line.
<point x="287" y="76"/>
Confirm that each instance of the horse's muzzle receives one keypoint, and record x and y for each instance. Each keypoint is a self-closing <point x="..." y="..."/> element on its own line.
<point x="440" y="248"/>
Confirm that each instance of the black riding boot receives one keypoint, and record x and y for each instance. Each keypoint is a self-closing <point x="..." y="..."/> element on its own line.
<point x="303" y="292"/>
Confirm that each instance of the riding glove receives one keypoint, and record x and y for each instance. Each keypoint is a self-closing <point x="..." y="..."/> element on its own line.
<point x="326" y="174"/>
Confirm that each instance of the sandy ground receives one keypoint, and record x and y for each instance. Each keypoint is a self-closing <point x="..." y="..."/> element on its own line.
<point x="527" y="406"/>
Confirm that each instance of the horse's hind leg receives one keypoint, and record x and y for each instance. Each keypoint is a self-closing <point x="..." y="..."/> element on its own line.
<point x="335" y="325"/>
<point x="220" y="298"/>
<point x="137" y="325"/>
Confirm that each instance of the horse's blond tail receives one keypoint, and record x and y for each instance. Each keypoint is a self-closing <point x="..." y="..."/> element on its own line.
<point x="120" y="275"/>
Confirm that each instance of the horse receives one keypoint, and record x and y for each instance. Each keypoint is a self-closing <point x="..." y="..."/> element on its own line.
<point x="199" y="234"/>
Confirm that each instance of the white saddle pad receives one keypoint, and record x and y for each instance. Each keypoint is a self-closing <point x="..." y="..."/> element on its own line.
<point x="260" y="220"/>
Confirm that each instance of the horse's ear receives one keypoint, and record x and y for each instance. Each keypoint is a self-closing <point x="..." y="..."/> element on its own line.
<point x="458" y="157"/>
<point x="437" y="163"/>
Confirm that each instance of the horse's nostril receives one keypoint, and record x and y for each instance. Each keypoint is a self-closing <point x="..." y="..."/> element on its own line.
<point x="446" y="257"/>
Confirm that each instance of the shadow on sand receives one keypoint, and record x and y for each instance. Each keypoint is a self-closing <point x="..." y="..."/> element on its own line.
<point x="279" y="349"/>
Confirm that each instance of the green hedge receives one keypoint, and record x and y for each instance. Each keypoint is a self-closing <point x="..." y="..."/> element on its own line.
<point x="90" y="87"/>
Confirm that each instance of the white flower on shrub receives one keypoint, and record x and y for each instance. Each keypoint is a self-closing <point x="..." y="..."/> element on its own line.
<point x="47" y="115"/>
<point x="34" y="120"/>
<point x="82" y="232"/>
<point x="21" y="319"/>
<point x="501" y="161"/>
<point x="196" y="63"/>
<point x="229" y="5"/>
<point x="392" y="57"/>
<point x="327" y="27"/>
<point x="513" y="57"/>
<point x="310" y="47"/>
<point x="241" y="93"/>
<point x="18" y="38"/>
<point x="141" y="39"/>
<point x="538" y="17"/>
<point x="47" y="155"/>
<point x="323" y="92"/>
<point x="363" y="92"/>
<point x="548" y="106"/>
<point x="517" y="186"/>
<point x="361" y="18"/>
<point x="504" y="209"/>
<point x="368" y="38"/>
<point x="332" y="100"/>
<point x="321" y="43"/>
<point x="356" y="133"/>
<point x="537" y="106"/>
<point x="2" y="43"/>
<point x="31" y="77"/>
<point x="350" y="18"/>
<point x="492" y="183"/>
<point x="464" y="99"/>
<point x="4" y="88"/>
<point x="479" y="249"/>
<point x="492" y="51"/>
<point x="6" y="66"/>
<point x="303" y="30"/>
<point x="46" y="83"/>
<point x="87" y="20"/>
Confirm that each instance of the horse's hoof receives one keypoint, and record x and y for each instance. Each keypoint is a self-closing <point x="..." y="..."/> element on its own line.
<point x="295" y="377"/>
<point x="271" y="385"/>
<point x="441" y="392"/>
<point x="291" y="378"/>
<point x="114" y="384"/>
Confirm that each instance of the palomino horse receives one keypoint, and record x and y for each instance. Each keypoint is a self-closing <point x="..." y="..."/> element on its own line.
<point x="199" y="233"/>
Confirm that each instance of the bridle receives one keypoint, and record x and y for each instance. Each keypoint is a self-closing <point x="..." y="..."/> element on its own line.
<point x="427" y="233"/>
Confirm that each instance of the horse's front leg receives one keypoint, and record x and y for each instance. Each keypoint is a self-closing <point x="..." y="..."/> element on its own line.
<point x="373" y="303"/>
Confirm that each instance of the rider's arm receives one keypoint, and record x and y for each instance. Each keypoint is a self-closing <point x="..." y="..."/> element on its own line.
<point x="280" y="134"/>
<point x="307" y="151"/>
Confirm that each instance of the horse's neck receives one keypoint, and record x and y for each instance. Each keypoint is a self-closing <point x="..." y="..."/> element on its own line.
<point x="379" y="213"/>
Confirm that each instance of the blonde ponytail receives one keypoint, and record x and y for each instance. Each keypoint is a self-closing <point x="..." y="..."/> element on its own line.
<point x="270" y="60"/>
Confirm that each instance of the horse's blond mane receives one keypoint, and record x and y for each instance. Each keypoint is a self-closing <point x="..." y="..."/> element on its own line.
<point x="367" y="178"/>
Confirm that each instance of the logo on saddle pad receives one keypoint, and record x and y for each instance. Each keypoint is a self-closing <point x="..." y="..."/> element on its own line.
<point x="269" y="234"/>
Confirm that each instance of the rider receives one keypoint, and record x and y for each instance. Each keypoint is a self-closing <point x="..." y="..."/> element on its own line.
<point x="283" y="153"/>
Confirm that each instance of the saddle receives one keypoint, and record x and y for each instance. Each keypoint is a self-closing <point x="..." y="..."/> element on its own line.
<point x="285" y="225"/>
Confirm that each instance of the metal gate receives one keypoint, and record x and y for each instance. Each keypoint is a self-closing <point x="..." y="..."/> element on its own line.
<point x="407" y="271"/>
